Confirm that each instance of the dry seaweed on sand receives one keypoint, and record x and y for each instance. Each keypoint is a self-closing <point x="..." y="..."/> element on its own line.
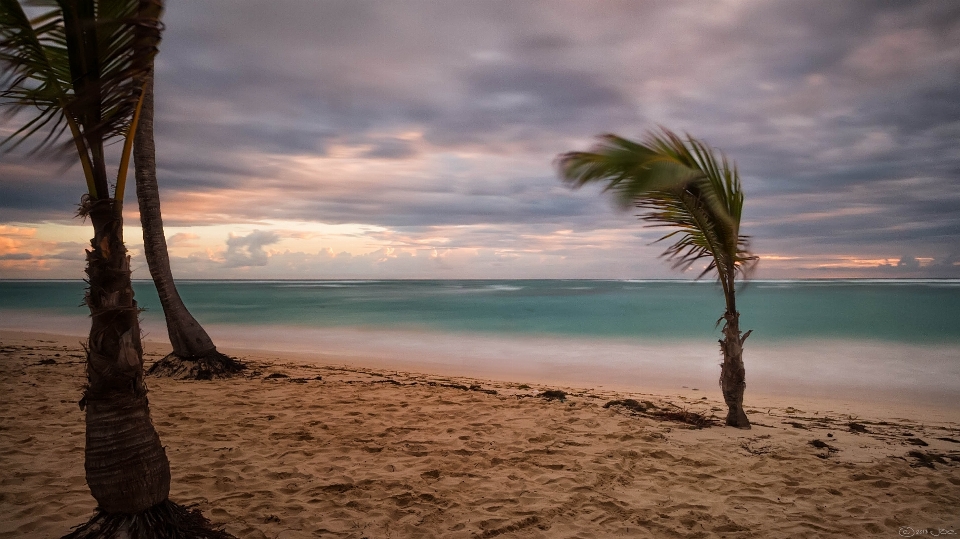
<point x="857" y="427"/>
<point x="553" y="394"/>
<point x="473" y="387"/>
<point x="829" y="449"/>
<point x="678" y="415"/>
<point x="927" y="460"/>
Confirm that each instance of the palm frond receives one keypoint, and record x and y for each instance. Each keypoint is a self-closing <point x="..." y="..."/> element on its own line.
<point x="30" y="52"/>
<point x="83" y="60"/>
<point x="678" y="183"/>
<point x="629" y="169"/>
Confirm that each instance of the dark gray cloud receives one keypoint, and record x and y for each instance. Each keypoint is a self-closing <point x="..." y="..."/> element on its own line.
<point x="16" y="256"/>
<point x="843" y="116"/>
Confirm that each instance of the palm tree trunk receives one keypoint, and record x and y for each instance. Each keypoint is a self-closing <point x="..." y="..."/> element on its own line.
<point x="126" y="467"/>
<point x="733" y="379"/>
<point x="187" y="337"/>
<point x="194" y="354"/>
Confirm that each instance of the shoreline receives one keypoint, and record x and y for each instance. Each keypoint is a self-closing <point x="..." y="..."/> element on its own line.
<point x="487" y="357"/>
<point x="371" y="452"/>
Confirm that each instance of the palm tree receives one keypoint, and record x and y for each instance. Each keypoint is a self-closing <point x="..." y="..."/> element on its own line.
<point x="79" y="65"/>
<point x="194" y="354"/>
<point x="682" y="185"/>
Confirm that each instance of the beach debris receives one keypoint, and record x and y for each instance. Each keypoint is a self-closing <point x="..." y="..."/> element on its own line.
<point x="820" y="444"/>
<point x="927" y="460"/>
<point x="678" y="415"/>
<point x="796" y="425"/>
<point x="387" y="381"/>
<point x="695" y="420"/>
<point x="917" y="441"/>
<point x="755" y="447"/>
<point x="275" y="375"/>
<point x="857" y="427"/>
<point x="945" y="439"/>
<point x="48" y="361"/>
<point x="473" y="387"/>
<point x="553" y="394"/>
<point x="631" y="404"/>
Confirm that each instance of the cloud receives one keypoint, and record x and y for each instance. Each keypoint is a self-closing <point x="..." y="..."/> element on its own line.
<point x="843" y="117"/>
<point x="182" y="239"/>
<point x="245" y="251"/>
<point x="25" y="254"/>
<point x="908" y="263"/>
<point x="16" y="256"/>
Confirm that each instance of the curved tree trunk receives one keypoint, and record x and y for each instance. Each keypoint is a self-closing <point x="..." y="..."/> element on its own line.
<point x="733" y="379"/>
<point x="194" y="354"/>
<point x="126" y="466"/>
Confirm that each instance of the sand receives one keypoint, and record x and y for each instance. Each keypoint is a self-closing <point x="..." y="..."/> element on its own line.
<point x="339" y="450"/>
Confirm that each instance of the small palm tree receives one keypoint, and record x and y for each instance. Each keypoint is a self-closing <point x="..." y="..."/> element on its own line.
<point x="682" y="185"/>
<point x="78" y="65"/>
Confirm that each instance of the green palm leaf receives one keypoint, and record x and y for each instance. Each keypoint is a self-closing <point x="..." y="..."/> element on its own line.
<point x="680" y="184"/>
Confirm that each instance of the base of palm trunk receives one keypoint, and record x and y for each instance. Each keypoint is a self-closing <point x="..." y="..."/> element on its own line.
<point x="207" y="367"/>
<point x="165" y="520"/>
<point x="738" y="418"/>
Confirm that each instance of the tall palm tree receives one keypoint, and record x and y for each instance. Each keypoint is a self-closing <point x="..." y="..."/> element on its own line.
<point x="79" y="65"/>
<point x="194" y="354"/>
<point x="681" y="184"/>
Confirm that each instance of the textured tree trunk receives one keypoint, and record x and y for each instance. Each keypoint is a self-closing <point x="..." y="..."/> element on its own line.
<point x="194" y="354"/>
<point x="126" y="466"/>
<point x="733" y="380"/>
<point x="127" y="469"/>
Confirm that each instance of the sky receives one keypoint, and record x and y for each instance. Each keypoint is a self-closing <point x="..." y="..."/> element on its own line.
<point x="416" y="139"/>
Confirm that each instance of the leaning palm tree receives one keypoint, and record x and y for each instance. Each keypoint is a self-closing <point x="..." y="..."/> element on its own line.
<point x="681" y="184"/>
<point x="78" y="65"/>
<point x="194" y="355"/>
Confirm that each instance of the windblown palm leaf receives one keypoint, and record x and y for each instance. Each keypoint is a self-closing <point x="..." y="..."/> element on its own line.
<point x="77" y="64"/>
<point x="682" y="185"/>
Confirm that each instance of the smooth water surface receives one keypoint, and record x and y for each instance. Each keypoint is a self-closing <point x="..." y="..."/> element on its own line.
<point x="882" y="340"/>
<point x="905" y="311"/>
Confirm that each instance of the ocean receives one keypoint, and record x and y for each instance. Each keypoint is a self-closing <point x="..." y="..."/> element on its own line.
<point x="899" y="339"/>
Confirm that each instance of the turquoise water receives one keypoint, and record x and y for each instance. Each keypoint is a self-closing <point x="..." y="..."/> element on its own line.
<point x="881" y="340"/>
<point x="899" y="311"/>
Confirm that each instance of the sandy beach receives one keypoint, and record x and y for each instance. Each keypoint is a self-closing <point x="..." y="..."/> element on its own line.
<point x="321" y="447"/>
